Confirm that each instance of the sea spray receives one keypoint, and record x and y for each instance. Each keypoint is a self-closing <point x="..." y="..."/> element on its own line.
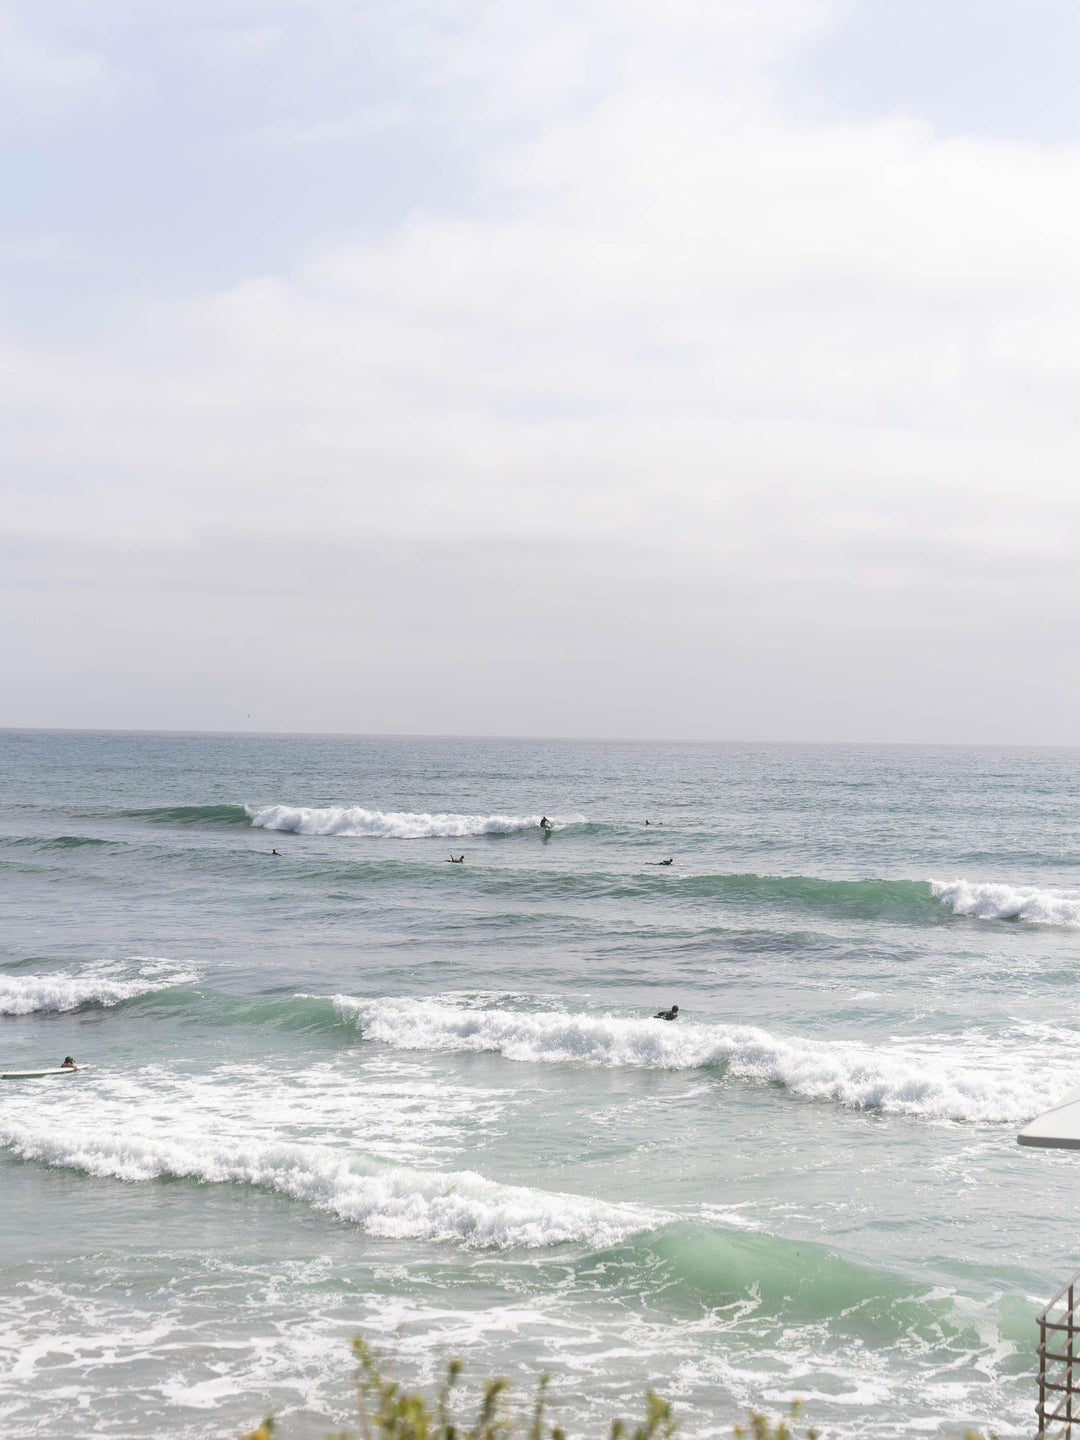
<point x="996" y="901"/>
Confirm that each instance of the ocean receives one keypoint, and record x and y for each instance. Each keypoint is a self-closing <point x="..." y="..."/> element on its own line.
<point x="353" y="1089"/>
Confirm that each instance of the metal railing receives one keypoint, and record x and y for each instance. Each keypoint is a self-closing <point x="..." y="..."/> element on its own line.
<point x="1059" y="1365"/>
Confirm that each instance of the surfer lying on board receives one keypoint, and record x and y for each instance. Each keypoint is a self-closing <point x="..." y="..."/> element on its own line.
<point x="672" y="1014"/>
<point x="659" y="862"/>
<point x="545" y="823"/>
<point x="459" y="860"/>
<point x="69" y="1064"/>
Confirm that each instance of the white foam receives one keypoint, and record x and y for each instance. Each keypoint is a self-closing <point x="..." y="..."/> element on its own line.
<point x="96" y="985"/>
<point x="945" y="1080"/>
<point x="353" y="820"/>
<point x="989" y="901"/>
<point x="394" y="1202"/>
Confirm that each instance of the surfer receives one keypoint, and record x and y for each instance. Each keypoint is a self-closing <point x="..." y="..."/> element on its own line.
<point x="672" y="1014"/>
<point x="273" y="852"/>
<point x="660" y="862"/>
<point x="545" y="823"/>
<point x="69" y="1064"/>
<point x="458" y="860"/>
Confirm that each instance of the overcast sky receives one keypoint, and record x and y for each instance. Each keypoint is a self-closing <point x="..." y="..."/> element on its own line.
<point x="701" y="369"/>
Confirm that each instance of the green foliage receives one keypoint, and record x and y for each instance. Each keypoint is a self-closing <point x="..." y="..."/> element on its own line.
<point x="388" y="1412"/>
<point x="264" y="1432"/>
<point x="762" y="1428"/>
<point x="658" y="1421"/>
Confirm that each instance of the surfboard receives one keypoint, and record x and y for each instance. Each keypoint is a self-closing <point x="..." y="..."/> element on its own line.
<point x="1057" y="1128"/>
<point x="39" y="1074"/>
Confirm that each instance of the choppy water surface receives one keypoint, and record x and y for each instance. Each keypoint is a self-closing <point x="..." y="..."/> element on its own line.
<point x="353" y="1088"/>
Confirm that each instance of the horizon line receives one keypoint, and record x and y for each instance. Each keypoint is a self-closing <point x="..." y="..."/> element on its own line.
<point x="527" y="738"/>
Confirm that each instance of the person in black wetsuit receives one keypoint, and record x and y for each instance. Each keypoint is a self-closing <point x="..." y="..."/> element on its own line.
<point x="460" y="860"/>
<point x="672" y="1014"/>
<point x="545" y="823"/>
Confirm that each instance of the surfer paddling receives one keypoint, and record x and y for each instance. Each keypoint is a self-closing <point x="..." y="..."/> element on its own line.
<point x="661" y="862"/>
<point x="672" y="1014"/>
<point x="456" y="860"/>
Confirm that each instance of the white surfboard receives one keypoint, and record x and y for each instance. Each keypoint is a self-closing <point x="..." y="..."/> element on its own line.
<point x="38" y="1074"/>
<point x="1057" y="1128"/>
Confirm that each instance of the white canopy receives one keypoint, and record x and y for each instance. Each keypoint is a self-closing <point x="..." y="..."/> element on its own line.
<point x="1058" y="1128"/>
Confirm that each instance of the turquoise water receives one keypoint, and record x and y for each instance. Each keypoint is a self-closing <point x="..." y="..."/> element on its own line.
<point x="352" y="1088"/>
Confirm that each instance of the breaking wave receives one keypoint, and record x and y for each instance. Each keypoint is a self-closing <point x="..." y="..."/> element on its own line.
<point x="393" y="1202"/>
<point x="930" y="1082"/>
<point x="989" y="901"/>
<point x="353" y="820"/>
<point x="61" y="990"/>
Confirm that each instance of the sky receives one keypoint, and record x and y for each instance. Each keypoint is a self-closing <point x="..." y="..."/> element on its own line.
<point x="688" y="369"/>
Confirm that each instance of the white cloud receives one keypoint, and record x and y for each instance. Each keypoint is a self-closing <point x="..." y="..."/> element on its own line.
<point x="35" y="72"/>
<point x="819" y="378"/>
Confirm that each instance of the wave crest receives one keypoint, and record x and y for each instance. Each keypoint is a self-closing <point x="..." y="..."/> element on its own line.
<point x="354" y="820"/>
<point x="99" y="985"/>
<point x="922" y="1082"/>
<point x="990" y="901"/>
<point x="190" y="814"/>
<point x="393" y="1202"/>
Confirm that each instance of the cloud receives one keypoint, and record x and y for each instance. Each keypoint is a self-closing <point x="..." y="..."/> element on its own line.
<point x="818" y="377"/>
<point x="36" y="73"/>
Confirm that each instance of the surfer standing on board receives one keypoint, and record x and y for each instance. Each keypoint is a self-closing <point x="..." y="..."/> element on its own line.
<point x="545" y="823"/>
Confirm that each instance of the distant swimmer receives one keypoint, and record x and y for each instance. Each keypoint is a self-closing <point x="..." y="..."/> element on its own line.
<point x="661" y="862"/>
<point x="672" y="1014"/>
<point x="456" y="860"/>
<point x="545" y="823"/>
<point x="69" y="1064"/>
<point x="273" y="852"/>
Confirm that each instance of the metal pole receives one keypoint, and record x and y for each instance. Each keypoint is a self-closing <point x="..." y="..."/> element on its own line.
<point x="1040" y="1409"/>
<point x="1069" y="1334"/>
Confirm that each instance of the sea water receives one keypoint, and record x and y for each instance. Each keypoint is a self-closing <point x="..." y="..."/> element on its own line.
<point x="354" y="1089"/>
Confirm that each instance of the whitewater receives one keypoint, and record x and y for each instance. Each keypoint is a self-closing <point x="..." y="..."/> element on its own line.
<point x="958" y="1081"/>
<point x="391" y="1202"/>
<point x="996" y="901"/>
<point x="356" y="822"/>
<point x="106" y="983"/>
<point x="336" y="1085"/>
